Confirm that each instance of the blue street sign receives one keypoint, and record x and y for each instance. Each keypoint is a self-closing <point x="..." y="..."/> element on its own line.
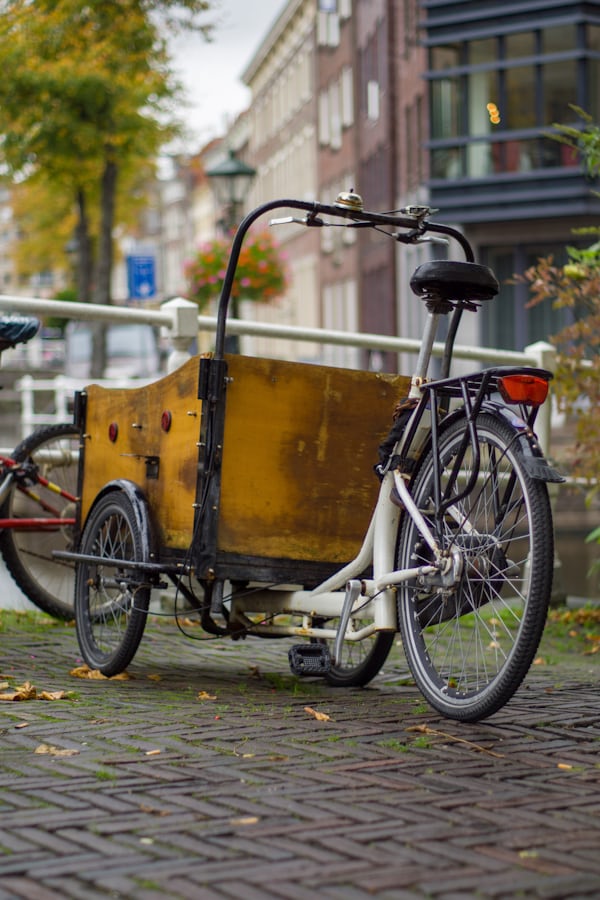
<point x="141" y="277"/>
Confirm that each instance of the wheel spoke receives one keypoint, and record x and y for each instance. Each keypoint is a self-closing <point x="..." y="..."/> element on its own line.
<point x="470" y="643"/>
<point x="111" y="603"/>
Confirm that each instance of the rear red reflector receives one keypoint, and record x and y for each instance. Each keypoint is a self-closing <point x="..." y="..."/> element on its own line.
<point x="529" y="389"/>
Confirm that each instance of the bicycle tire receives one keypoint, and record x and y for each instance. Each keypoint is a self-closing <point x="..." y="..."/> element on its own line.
<point x="361" y="660"/>
<point x="469" y="648"/>
<point x="111" y="603"/>
<point x="46" y="581"/>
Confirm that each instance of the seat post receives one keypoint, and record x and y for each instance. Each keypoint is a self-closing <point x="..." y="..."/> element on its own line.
<point x="429" y="333"/>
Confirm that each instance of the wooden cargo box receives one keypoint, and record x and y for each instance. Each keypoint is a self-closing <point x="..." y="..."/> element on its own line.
<point x="298" y="448"/>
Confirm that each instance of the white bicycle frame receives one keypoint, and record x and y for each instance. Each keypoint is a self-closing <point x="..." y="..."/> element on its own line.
<point x="345" y="595"/>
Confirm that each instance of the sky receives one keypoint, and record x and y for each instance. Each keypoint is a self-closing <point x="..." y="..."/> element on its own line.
<point x="211" y="72"/>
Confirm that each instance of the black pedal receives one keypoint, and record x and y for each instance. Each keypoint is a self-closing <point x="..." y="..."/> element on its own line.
<point x="309" y="659"/>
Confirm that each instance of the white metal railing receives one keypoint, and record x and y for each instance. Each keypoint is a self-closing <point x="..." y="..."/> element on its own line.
<point x="180" y="320"/>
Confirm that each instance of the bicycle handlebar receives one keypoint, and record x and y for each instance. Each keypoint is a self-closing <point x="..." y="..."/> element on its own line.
<point x="413" y="220"/>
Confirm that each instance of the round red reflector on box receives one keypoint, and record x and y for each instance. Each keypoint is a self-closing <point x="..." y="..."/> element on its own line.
<point x="529" y="389"/>
<point x="113" y="432"/>
<point x="165" y="420"/>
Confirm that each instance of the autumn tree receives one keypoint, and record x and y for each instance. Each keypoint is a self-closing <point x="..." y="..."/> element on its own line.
<point x="576" y="287"/>
<point x="87" y="99"/>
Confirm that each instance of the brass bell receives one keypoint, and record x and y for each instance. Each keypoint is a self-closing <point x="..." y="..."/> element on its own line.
<point x="349" y="200"/>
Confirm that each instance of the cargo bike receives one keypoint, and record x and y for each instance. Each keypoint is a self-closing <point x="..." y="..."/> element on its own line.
<point x="248" y="484"/>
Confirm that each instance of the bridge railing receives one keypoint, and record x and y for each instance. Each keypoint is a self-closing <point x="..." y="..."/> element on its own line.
<point x="181" y="323"/>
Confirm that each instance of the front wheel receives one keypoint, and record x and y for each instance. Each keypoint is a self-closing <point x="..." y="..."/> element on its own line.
<point x="470" y="644"/>
<point x="53" y="452"/>
<point x="111" y="601"/>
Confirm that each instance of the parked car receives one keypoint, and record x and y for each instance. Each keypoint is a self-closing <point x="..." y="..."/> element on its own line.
<point x="132" y="351"/>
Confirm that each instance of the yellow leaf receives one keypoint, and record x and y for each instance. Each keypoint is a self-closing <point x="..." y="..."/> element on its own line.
<point x="22" y="725"/>
<point x="539" y="661"/>
<point x="153" y="752"/>
<point x="85" y="672"/>
<point x="53" y="695"/>
<point x="204" y="695"/>
<point x="564" y="766"/>
<point x="55" y="751"/>
<point x="319" y="716"/>
<point x="155" y="677"/>
<point x="25" y="691"/>
<point x="244" y="820"/>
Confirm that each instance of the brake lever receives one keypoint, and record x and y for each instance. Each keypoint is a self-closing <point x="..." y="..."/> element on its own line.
<point x="309" y="220"/>
<point x="417" y="237"/>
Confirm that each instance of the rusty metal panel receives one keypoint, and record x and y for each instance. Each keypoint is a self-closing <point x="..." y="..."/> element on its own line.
<point x="299" y="447"/>
<point x="170" y="486"/>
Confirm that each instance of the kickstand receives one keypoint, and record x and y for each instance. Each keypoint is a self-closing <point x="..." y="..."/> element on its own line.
<point x="353" y="589"/>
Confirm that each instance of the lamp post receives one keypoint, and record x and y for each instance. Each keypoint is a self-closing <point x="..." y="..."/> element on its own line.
<point x="230" y="181"/>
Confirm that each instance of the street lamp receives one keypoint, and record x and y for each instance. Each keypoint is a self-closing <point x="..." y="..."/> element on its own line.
<point x="230" y="181"/>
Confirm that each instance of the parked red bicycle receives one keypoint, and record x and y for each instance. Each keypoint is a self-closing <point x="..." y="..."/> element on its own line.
<point x="38" y="499"/>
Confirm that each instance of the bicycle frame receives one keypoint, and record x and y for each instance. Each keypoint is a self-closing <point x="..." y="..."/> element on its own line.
<point x="10" y="468"/>
<point x="346" y="592"/>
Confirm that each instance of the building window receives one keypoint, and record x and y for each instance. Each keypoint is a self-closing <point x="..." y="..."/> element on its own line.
<point x="509" y="322"/>
<point x="347" y="87"/>
<point x="373" y="100"/>
<point x="328" y="29"/>
<point x="492" y="98"/>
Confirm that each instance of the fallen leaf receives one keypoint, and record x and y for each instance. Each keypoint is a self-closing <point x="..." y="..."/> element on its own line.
<point x="204" y="695"/>
<point x="85" y="672"/>
<point x="244" y="820"/>
<point x="22" y="725"/>
<point x="4" y="685"/>
<point x="155" y="677"/>
<point x="53" y="695"/>
<point x="153" y="752"/>
<point x="25" y="691"/>
<point x="153" y="811"/>
<point x="55" y="751"/>
<point x="539" y="661"/>
<point x="564" y="766"/>
<point x="319" y="716"/>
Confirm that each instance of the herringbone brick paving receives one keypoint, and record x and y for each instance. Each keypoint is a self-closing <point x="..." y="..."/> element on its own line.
<point x="244" y="794"/>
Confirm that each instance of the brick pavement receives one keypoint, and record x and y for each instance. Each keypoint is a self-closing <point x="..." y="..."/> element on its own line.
<point x="243" y="794"/>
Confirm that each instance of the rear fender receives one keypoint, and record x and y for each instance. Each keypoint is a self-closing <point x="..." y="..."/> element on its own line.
<point x="141" y="511"/>
<point x="536" y="463"/>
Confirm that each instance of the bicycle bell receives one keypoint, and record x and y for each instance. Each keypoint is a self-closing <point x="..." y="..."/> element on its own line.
<point x="349" y="200"/>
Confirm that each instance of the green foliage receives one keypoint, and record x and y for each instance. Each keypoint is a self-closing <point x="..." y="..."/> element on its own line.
<point x="576" y="287"/>
<point x="586" y="140"/>
<point x="260" y="274"/>
<point x="87" y="98"/>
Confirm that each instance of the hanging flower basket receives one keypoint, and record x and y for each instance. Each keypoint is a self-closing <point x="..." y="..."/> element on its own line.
<point x="260" y="276"/>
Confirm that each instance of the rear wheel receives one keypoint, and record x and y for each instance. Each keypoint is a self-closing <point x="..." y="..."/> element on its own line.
<point x="469" y="644"/>
<point x="53" y="452"/>
<point x="111" y="601"/>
